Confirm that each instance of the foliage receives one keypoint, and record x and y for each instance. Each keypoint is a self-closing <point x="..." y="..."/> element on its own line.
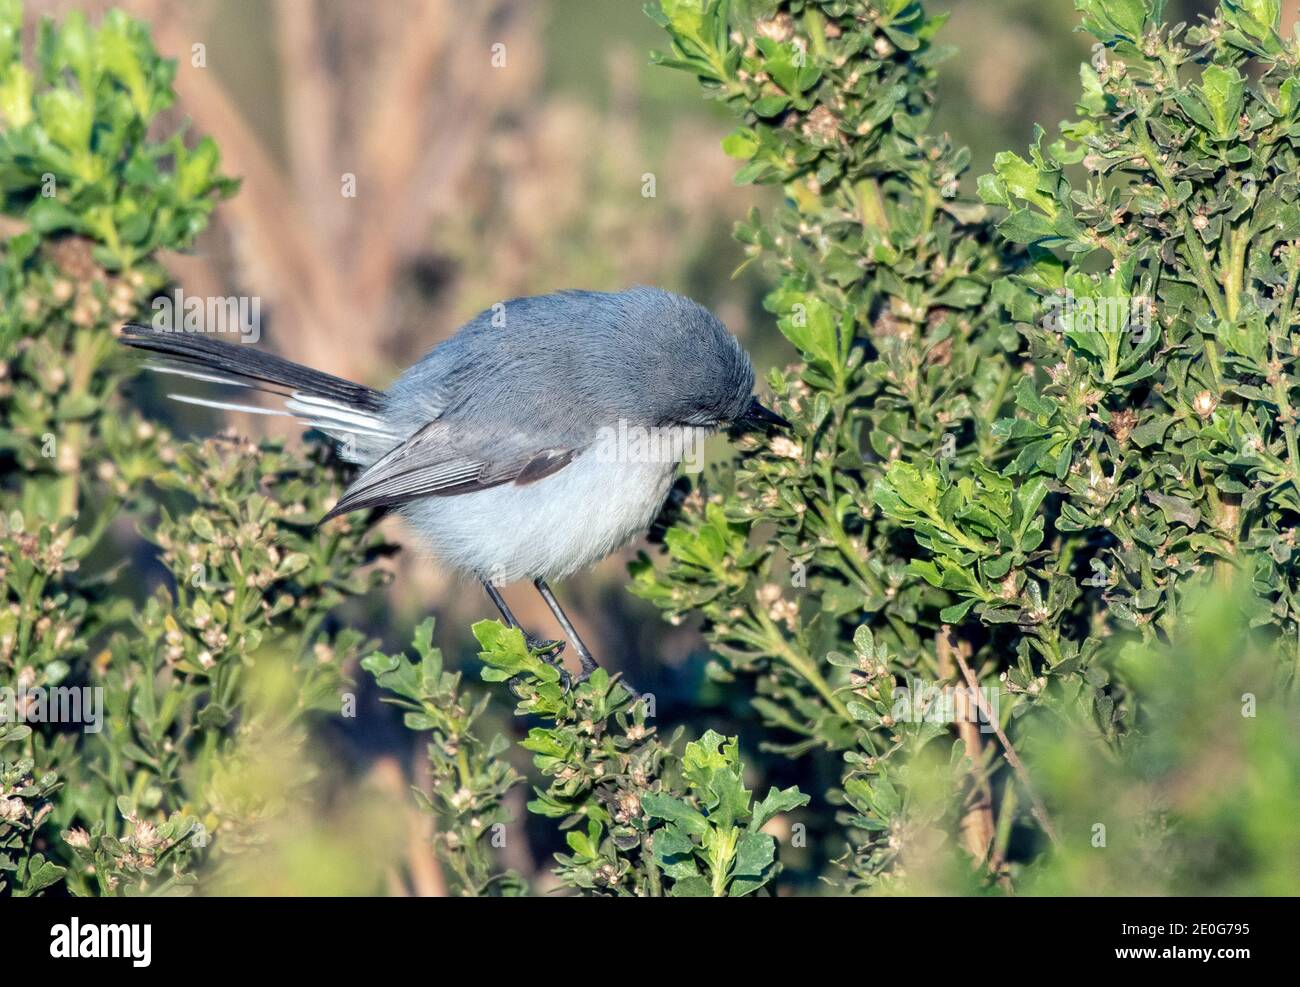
<point x="718" y="848"/>
<point x="134" y="798"/>
<point x="635" y="812"/>
<point x="885" y="276"/>
<point x="1168" y="449"/>
<point x="1029" y="433"/>
<point x="1203" y="799"/>
<point x="469" y="778"/>
<point x="1011" y="450"/>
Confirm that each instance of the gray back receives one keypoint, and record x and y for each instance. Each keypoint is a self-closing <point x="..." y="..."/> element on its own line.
<point x="561" y="366"/>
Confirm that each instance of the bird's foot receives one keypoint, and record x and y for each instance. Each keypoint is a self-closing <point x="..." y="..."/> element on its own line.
<point x="548" y="651"/>
<point x="589" y="665"/>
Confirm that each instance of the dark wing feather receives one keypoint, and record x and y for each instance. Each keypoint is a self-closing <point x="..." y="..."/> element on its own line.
<point x="435" y="462"/>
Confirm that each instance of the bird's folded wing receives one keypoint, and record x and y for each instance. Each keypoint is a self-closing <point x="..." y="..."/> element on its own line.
<point x="440" y="461"/>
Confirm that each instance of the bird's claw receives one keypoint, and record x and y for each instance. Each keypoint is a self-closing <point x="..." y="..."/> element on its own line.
<point x="546" y="650"/>
<point x="549" y="652"/>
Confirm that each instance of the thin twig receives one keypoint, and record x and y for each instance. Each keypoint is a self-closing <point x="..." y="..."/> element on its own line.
<point x="977" y="822"/>
<point x="1037" y="807"/>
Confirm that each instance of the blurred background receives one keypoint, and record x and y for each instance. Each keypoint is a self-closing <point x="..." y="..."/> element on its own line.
<point x="407" y="164"/>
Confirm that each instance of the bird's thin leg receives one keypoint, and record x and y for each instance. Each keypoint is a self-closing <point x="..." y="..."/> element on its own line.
<point x="500" y="602"/>
<point x="552" y="647"/>
<point x="589" y="664"/>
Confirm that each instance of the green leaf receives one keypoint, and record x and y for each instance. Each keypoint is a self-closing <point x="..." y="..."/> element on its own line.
<point x="740" y="143"/>
<point x="675" y="853"/>
<point x="657" y="805"/>
<point x="694" y="887"/>
<point x="1023" y="181"/>
<point x="777" y="801"/>
<point x="1222" y="96"/>
<point x="754" y="863"/>
<point x="1112" y="20"/>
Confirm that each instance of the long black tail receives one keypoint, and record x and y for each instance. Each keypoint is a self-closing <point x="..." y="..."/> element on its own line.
<point x="350" y="413"/>
<point x="251" y="366"/>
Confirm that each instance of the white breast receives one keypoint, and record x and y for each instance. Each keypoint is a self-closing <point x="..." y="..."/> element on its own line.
<point x="548" y="529"/>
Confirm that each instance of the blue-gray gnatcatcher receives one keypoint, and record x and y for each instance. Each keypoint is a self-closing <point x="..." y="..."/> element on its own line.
<point x="541" y="437"/>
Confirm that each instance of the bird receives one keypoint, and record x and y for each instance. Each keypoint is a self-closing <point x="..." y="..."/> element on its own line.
<point x="539" y="438"/>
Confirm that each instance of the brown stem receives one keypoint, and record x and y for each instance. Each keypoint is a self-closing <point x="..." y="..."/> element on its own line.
<point x="977" y="828"/>
<point x="1227" y="520"/>
<point x="1037" y="807"/>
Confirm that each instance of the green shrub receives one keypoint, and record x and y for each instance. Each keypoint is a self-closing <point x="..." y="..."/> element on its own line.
<point x="885" y="289"/>
<point x="640" y="818"/>
<point x="210" y="686"/>
<point x="1030" y="435"/>
<point x="995" y="466"/>
<point x="136" y="805"/>
<point x="1202" y="798"/>
<point x="1169" y="449"/>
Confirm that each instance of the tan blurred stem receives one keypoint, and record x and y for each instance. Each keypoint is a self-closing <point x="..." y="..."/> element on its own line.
<point x="68" y="457"/>
<point x="311" y="114"/>
<point x="267" y="216"/>
<point x="392" y="146"/>
<point x="427" y="878"/>
<point x="422" y="869"/>
<point x="1037" y="807"/>
<point x="977" y="827"/>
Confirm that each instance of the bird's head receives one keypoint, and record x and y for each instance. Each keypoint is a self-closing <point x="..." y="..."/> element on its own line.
<point x="691" y="370"/>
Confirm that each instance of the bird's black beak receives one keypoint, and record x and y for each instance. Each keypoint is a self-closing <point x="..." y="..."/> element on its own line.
<point x="756" y="418"/>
